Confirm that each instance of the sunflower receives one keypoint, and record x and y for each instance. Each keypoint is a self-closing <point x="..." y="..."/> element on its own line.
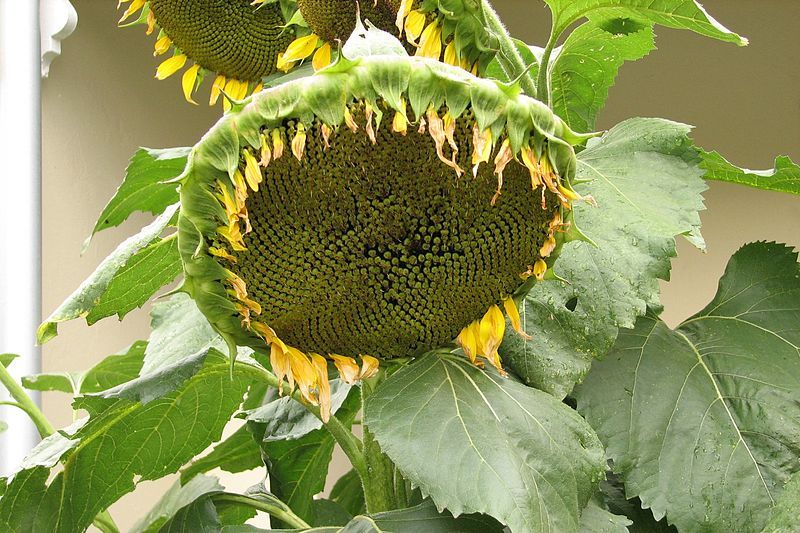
<point x="381" y="208"/>
<point x="452" y="33"/>
<point x="237" y="43"/>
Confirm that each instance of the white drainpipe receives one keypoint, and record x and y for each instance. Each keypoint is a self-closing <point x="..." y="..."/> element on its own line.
<point x="22" y="65"/>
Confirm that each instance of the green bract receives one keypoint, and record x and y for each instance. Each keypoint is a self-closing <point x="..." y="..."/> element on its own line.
<point x="372" y="238"/>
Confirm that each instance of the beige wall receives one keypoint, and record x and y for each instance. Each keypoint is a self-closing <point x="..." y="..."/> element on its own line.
<point x="101" y="102"/>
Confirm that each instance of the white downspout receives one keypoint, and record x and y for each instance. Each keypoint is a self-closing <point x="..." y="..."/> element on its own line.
<point x="21" y="68"/>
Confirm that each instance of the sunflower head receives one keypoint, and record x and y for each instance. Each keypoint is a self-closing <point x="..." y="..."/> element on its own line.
<point x="380" y="208"/>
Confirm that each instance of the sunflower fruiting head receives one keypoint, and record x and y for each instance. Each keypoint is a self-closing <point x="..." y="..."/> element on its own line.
<point x="368" y="239"/>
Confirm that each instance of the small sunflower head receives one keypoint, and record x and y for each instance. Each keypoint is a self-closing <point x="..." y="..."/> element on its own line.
<point x="378" y="209"/>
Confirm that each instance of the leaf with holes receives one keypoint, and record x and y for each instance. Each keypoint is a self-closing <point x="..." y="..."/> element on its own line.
<point x="703" y="422"/>
<point x="645" y="178"/>
<point x="785" y="177"/>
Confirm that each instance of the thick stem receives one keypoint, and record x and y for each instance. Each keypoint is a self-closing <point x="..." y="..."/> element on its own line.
<point x="349" y="443"/>
<point x="509" y="57"/>
<point x="103" y="521"/>
<point x="379" y="483"/>
<point x="25" y="403"/>
<point x="543" y="95"/>
<point x="280" y="510"/>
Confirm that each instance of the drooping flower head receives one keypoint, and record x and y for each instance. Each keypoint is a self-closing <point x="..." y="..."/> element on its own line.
<point x="239" y="43"/>
<point x="381" y="208"/>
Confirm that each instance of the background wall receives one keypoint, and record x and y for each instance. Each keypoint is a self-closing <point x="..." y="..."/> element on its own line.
<point x="101" y="102"/>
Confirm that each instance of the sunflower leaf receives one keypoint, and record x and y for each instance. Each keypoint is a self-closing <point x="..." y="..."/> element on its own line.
<point x="785" y="177"/>
<point x="586" y="65"/>
<point x="143" y="188"/>
<point x="123" y="441"/>
<point x="348" y="493"/>
<point x="504" y="440"/>
<point x="645" y="177"/>
<point x="110" y="372"/>
<point x="129" y="276"/>
<point x="712" y="404"/>
<point x="679" y="14"/>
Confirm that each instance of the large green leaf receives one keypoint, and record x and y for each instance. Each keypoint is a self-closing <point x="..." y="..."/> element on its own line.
<point x="143" y="188"/>
<point x="479" y="443"/>
<point x="110" y="372"/>
<point x="785" y="177"/>
<point x="128" y="277"/>
<point x="680" y="14"/>
<point x="123" y="441"/>
<point x="298" y="468"/>
<point x="586" y="65"/>
<point x="645" y="177"/>
<point x="703" y="422"/>
<point x="348" y="493"/>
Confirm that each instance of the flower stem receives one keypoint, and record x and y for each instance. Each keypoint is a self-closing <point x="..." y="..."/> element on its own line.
<point x="349" y="443"/>
<point x="379" y="483"/>
<point x="278" y="509"/>
<point x="509" y="57"/>
<point x="543" y="94"/>
<point x="103" y="521"/>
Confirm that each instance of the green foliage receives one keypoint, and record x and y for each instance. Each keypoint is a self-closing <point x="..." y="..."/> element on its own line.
<point x="126" y="279"/>
<point x="298" y="465"/>
<point x="122" y="439"/>
<point x="145" y="186"/>
<point x="586" y="65"/>
<point x="679" y="14"/>
<point x="504" y="443"/>
<point x="785" y="514"/>
<point x="701" y="422"/>
<point x="645" y="178"/>
<point x="114" y="370"/>
<point x="785" y="177"/>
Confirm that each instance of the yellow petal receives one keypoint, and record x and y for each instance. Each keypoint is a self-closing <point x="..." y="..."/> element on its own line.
<point x="512" y="312"/>
<point x="347" y="367"/>
<point x="450" y="54"/>
<point x="301" y="48"/>
<point x="299" y="142"/>
<point x="233" y="235"/>
<point x="304" y="374"/>
<point x="151" y="23"/>
<point x="162" y="45"/>
<point x="281" y="366"/>
<point x="170" y="66"/>
<point x="322" y="57"/>
<point x="277" y="144"/>
<point x="539" y="269"/>
<point x="492" y="329"/>
<point x="369" y="367"/>
<point x="348" y="119"/>
<point x="548" y="246"/>
<point x="221" y="253"/>
<point x="430" y="43"/>
<point x="282" y="64"/>
<point x="251" y="171"/>
<point x="323" y="386"/>
<point x="415" y="23"/>
<point x="216" y="89"/>
<point x="135" y="6"/>
<point x="468" y="341"/>
<point x="266" y="153"/>
<point x="400" y="122"/>
<point x="503" y="158"/>
<point x="258" y="88"/>
<point x="402" y="13"/>
<point x="188" y="82"/>
<point x="481" y="148"/>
